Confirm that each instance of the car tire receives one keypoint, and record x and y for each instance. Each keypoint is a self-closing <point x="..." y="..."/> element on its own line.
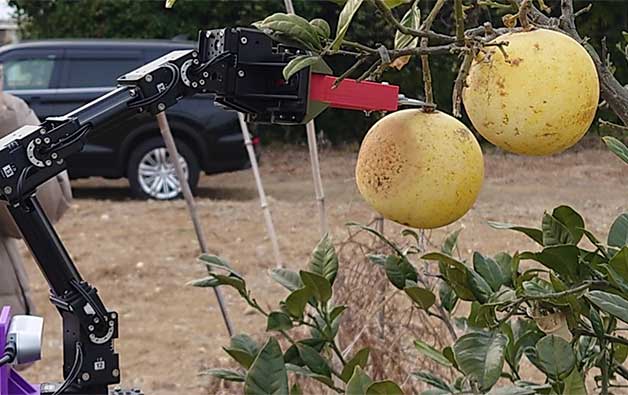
<point x="151" y="173"/>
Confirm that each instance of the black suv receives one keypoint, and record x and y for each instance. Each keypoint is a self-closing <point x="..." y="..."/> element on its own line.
<point x="55" y="77"/>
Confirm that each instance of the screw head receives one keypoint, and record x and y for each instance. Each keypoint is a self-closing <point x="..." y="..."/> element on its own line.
<point x="205" y="74"/>
<point x="115" y="373"/>
<point x="8" y="190"/>
<point x="194" y="84"/>
<point x="161" y="106"/>
<point x="244" y="40"/>
<point x="37" y="140"/>
<point x="48" y="162"/>
<point x="85" y="376"/>
<point x="114" y="316"/>
<point x="202" y="82"/>
<point x="240" y="73"/>
<point x="91" y="328"/>
<point x="148" y="78"/>
<point x="96" y="320"/>
<point x="46" y="140"/>
<point x="54" y="155"/>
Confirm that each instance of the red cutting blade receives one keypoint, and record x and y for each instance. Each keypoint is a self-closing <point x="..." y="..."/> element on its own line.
<point x="353" y="95"/>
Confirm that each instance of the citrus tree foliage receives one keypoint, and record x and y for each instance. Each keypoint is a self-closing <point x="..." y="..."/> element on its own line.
<point x="561" y="307"/>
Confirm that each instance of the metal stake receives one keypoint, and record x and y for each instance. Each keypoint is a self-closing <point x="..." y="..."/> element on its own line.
<point x="164" y="127"/>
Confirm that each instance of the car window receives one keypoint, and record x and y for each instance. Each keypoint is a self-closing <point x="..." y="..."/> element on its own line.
<point x="96" y="73"/>
<point x="34" y="73"/>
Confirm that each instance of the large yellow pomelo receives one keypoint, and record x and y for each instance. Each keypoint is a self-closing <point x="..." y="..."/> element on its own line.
<point x="540" y="100"/>
<point x="420" y="169"/>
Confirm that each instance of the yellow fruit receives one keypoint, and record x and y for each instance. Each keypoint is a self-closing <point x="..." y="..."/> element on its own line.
<point x="420" y="169"/>
<point x="540" y="100"/>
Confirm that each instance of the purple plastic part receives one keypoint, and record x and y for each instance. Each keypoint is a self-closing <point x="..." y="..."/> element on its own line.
<point x="11" y="383"/>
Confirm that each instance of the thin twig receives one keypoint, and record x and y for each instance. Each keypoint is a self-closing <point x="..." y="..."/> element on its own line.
<point x="460" y="83"/>
<point x="459" y="16"/>
<point x="425" y="62"/>
<point x="390" y="18"/>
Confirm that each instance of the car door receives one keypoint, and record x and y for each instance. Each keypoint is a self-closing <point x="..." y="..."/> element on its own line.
<point x="33" y="75"/>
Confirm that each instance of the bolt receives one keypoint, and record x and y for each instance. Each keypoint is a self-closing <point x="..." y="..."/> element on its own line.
<point x="132" y="93"/>
<point x="194" y="54"/>
<point x="241" y="73"/>
<point x="202" y="82"/>
<point x="54" y="155"/>
<point x="85" y="376"/>
<point x="48" y="162"/>
<point x="208" y="34"/>
<point x="161" y="106"/>
<point x="205" y="74"/>
<point x="91" y="328"/>
<point x="46" y="140"/>
<point x="114" y="316"/>
<point x="244" y="40"/>
<point x="110" y="323"/>
<point x="96" y="320"/>
<point x="195" y="61"/>
<point x="148" y="78"/>
<point x="42" y="131"/>
<point x="38" y="141"/>
<point x="194" y="84"/>
<point x="7" y="190"/>
<point x="115" y="373"/>
<point x="60" y="162"/>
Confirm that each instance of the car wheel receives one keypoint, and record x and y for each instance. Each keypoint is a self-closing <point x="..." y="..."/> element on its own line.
<point x="152" y="174"/>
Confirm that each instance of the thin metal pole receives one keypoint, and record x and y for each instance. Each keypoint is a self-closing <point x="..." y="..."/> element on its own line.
<point x="164" y="127"/>
<point x="314" y="162"/>
<point x="270" y="227"/>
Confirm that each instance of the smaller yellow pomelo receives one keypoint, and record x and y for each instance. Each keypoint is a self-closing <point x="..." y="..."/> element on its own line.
<point x="420" y="169"/>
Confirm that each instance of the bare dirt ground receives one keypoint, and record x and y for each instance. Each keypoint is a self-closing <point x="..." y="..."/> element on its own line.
<point x="141" y="254"/>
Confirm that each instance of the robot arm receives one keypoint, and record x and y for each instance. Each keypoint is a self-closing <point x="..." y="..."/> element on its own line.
<point x="243" y="69"/>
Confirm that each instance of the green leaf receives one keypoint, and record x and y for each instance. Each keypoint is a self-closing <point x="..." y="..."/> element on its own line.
<point x="322" y="28"/>
<point x="596" y="323"/>
<point x="394" y="3"/>
<point x="296" y="389"/>
<point x="399" y="270"/>
<point x="534" y="234"/>
<point x="422" y="297"/>
<point x="434" y="381"/>
<point x="448" y="298"/>
<point x="563" y="259"/>
<point x="574" y="384"/>
<point x="215" y="262"/>
<point x="297" y="300"/>
<point x="571" y="220"/>
<point x="511" y="390"/>
<point x="289" y="279"/>
<point x="224" y="374"/>
<point x="448" y="353"/>
<point x="480" y="355"/>
<point x="554" y="232"/>
<point x="431" y="353"/>
<point x="610" y="303"/>
<point x="359" y="382"/>
<point x="450" y="242"/>
<point x="385" y="387"/>
<point x="359" y="359"/>
<point x="555" y="357"/>
<point x="243" y="349"/>
<point x="378" y="259"/>
<point x="490" y="271"/>
<point x="344" y="20"/>
<point x="480" y="288"/>
<point x="299" y="63"/>
<point x="412" y="20"/>
<point x="206" y="282"/>
<point x="617" y="147"/>
<point x="313" y="360"/>
<point x="324" y="260"/>
<point x="308" y="373"/>
<point x="267" y="375"/>
<point x="292" y="30"/>
<point x="455" y="273"/>
<point x="336" y="311"/>
<point x="620" y="352"/>
<point x="278" y="321"/>
<point x="318" y="285"/>
<point x="618" y="234"/>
